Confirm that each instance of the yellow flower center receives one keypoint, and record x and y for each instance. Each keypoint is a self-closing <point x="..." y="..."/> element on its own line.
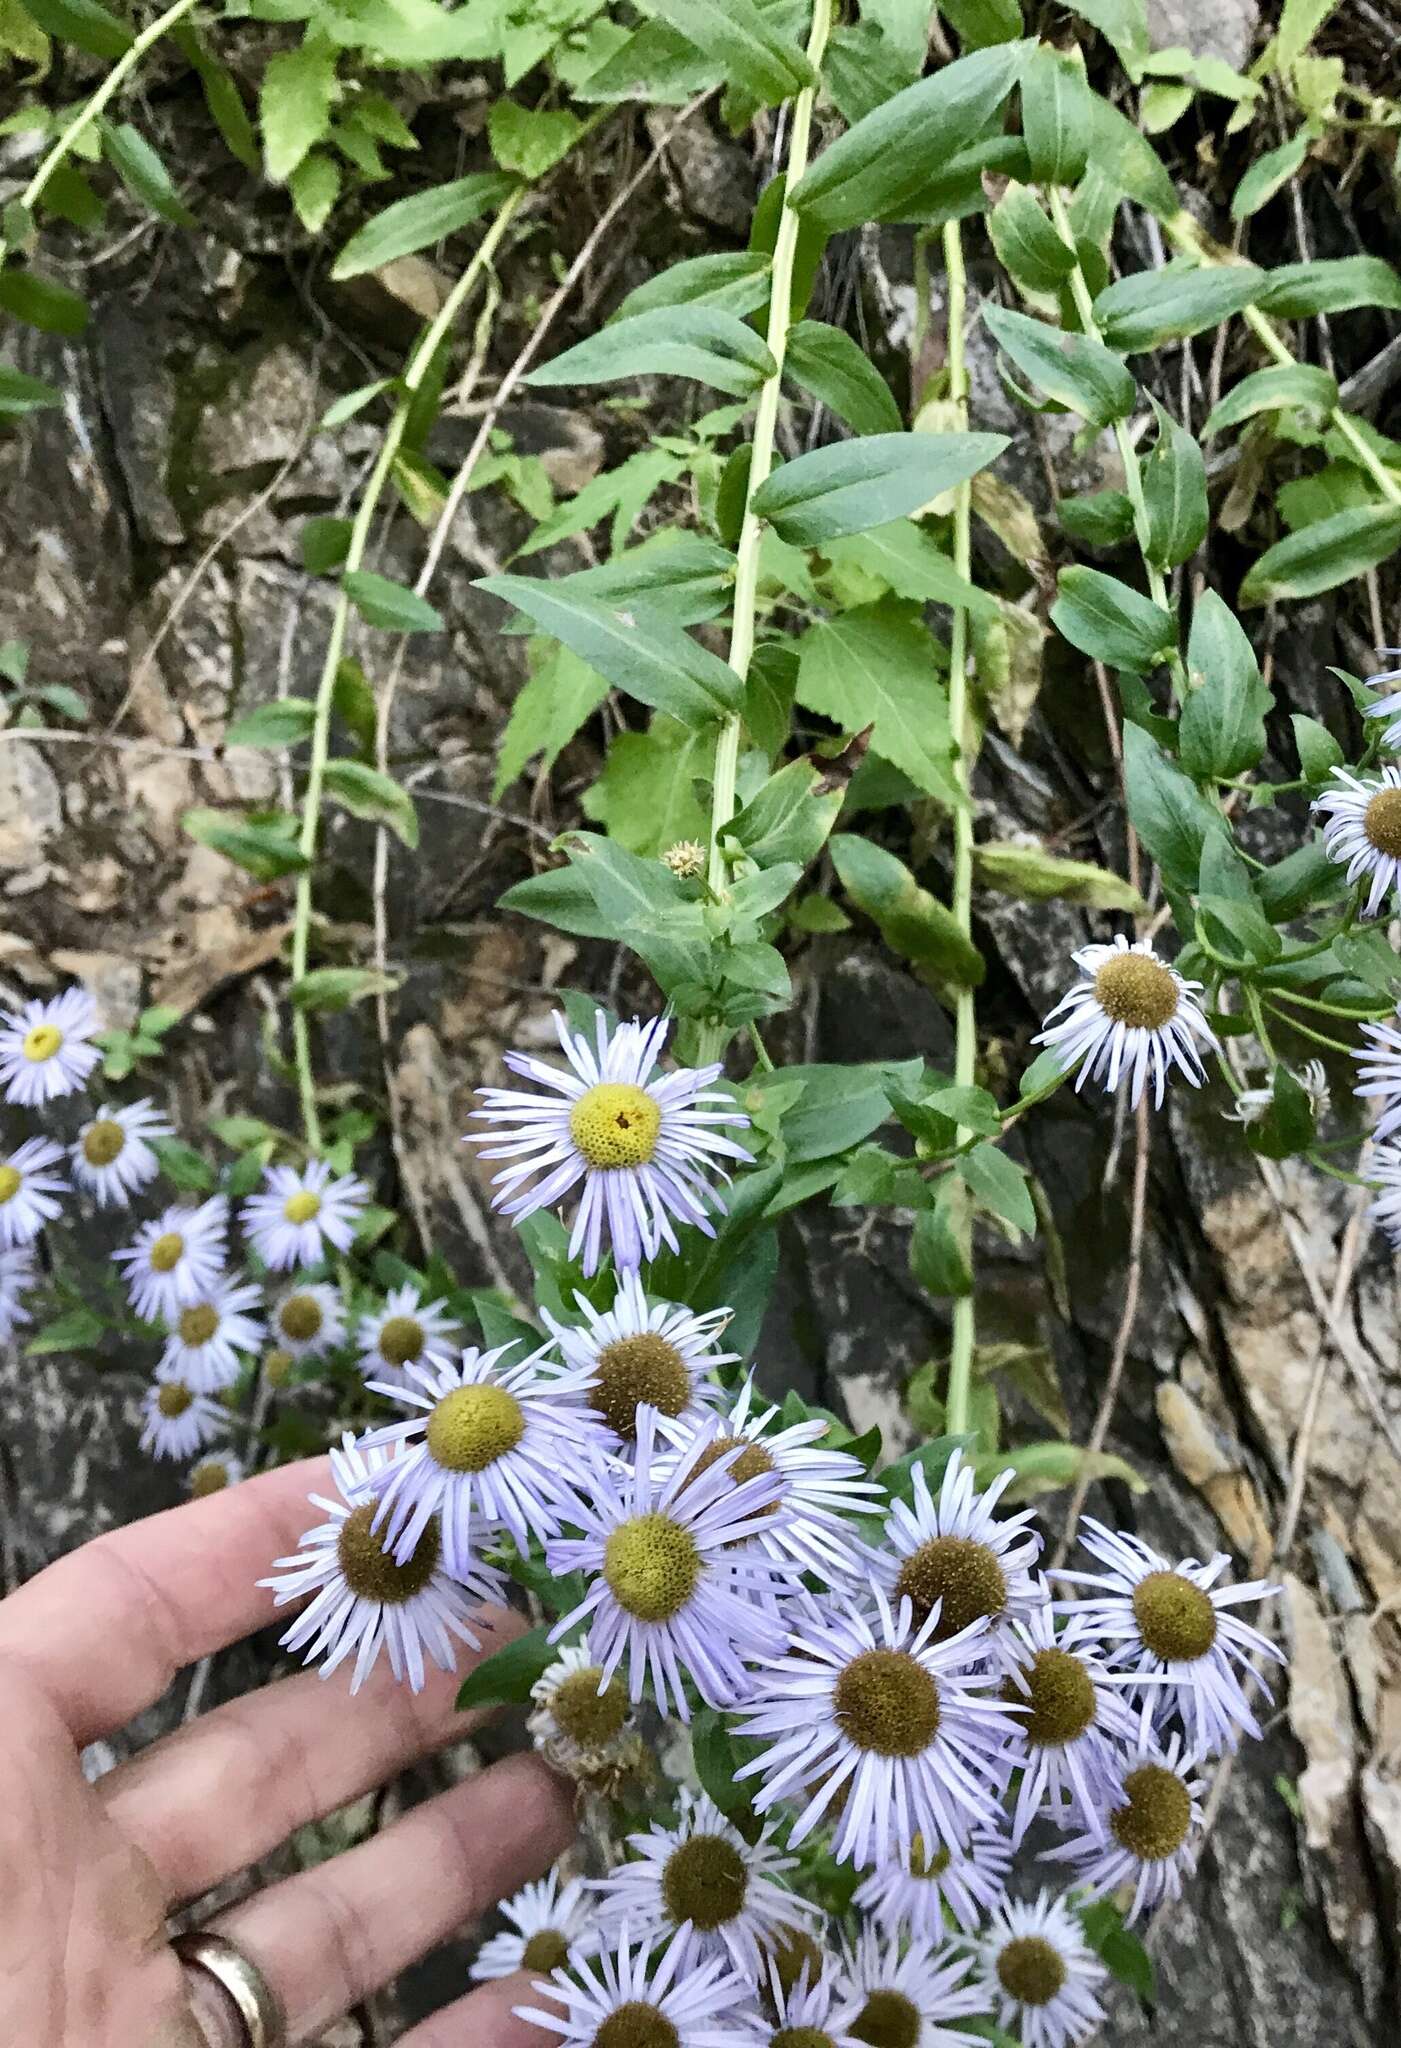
<point x="548" y="1950"/>
<point x="1030" y="1969"/>
<point x="301" y="1207"/>
<point x="589" y="1718"/>
<point x="11" y="1180"/>
<point x="42" y="1042"/>
<point x="636" y="1369"/>
<point x="1175" y="1618"/>
<point x="103" y="1141"/>
<point x="922" y="1864"/>
<point x="198" y="1323"/>
<point x="964" y="1576"/>
<point x="1060" y="1701"/>
<point x="401" y="1340"/>
<point x="887" y="1702"/>
<point x="300" y="1318"/>
<point x="474" y="1426"/>
<point x="704" y="1881"/>
<point x="651" y="1565"/>
<point x="1138" y="991"/>
<point x="615" y="1124"/>
<point x="636" y="2025"/>
<point x="370" y="1570"/>
<point x="1381" y="821"/>
<point x="1155" y="1821"/>
<point x="210" y="1477"/>
<point x="173" y="1399"/>
<point x="888" y="2020"/>
<point x="167" y="1252"/>
<point x="277" y="1366"/>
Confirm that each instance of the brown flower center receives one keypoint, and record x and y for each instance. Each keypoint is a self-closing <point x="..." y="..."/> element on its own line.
<point x="636" y="2025"/>
<point x="198" y="1323"/>
<point x="103" y="1141"/>
<point x="964" y="1576"/>
<point x="474" y="1426"/>
<point x="1135" y="990"/>
<point x="589" y="1718"/>
<point x="800" y="2037"/>
<point x="1158" y="1815"/>
<point x="1059" y="1701"/>
<point x="300" y="1318"/>
<point x="887" y="1702"/>
<point x="1381" y="821"/>
<point x="651" y="1565"/>
<point x="888" y="2020"/>
<point x="173" y="1399"/>
<point x="370" y="1570"/>
<point x="401" y="1340"/>
<point x="548" y="1950"/>
<point x="1175" y="1618"/>
<point x="210" y="1477"/>
<point x="704" y="1881"/>
<point x="793" y="1950"/>
<point x="636" y="1369"/>
<point x="1030" y="1969"/>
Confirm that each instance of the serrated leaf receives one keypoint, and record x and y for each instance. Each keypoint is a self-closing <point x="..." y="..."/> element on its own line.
<point x="336" y="988"/>
<point x="530" y="140"/>
<point x="735" y="34"/>
<point x="295" y="106"/>
<point x="265" y="847"/>
<point x="77" y="1330"/>
<point x="876" y="666"/>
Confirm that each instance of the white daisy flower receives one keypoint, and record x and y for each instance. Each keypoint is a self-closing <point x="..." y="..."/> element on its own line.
<point x="955" y="1555"/>
<point x="1155" y="1819"/>
<point x="908" y="1997"/>
<point x="406" y="1331"/>
<point x="1388" y="706"/>
<point x="1363" y="832"/>
<point x="1168" y="1629"/>
<point x="16" y="1277"/>
<point x="1379" y="1068"/>
<point x="308" y="1320"/>
<point x="667" y="1589"/>
<point x="887" y="1728"/>
<point x="298" y="1217"/>
<point x="1039" y="1973"/>
<point x="701" y="1878"/>
<point x="45" y="1047"/>
<point x="212" y="1334"/>
<point x="912" y="1897"/>
<point x="215" y="1474"/>
<point x="582" y="1723"/>
<point x="642" y="1144"/>
<point x="493" y="1446"/>
<point x="112" y="1157"/>
<point x="634" y="1356"/>
<point x="1252" y="1104"/>
<point x="806" y="2013"/>
<point x="1132" y="1018"/>
<point x="174" y="1259"/>
<point x="1074" y="1722"/>
<point x="178" y="1421"/>
<point x="28" y="1190"/>
<point x="550" y="1927"/>
<point x="668" y="2003"/>
<point x="367" y="1600"/>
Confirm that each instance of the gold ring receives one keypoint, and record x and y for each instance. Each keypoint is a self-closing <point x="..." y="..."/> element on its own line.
<point x="253" y="1997"/>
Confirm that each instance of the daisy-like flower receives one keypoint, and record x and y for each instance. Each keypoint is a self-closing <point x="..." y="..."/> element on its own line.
<point x="809" y="2012"/>
<point x="214" y="1474"/>
<point x="550" y="1927"/>
<point x="297" y="1217"/>
<point x="46" y="1049"/>
<point x="955" y="1555"/>
<point x="308" y="1320"/>
<point x="1388" y="706"/>
<point x="174" y="1259"/>
<point x="367" y="1600"/>
<point x="911" y="1897"/>
<point x="1254" y="1103"/>
<point x="1379" y="1071"/>
<point x="1075" y="1720"/>
<point x="1384" y="1174"/>
<point x="492" y="1446"/>
<point x="212" y="1334"/>
<point x="1168" y="1628"/>
<point x="112" y="1157"/>
<point x="666" y="1588"/>
<point x="16" y="1276"/>
<point x="29" y="1190"/>
<point x="1039" y="1973"/>
<point x="635" y="1356"/>
<point x="641" y="1143"/>
<point x="581" y="1722"/>
<point x="177" y="1421"/>
<point x="1132" y="1018"/>
<point x="884" y="1725"/>
<point x="1155" y="1814"/>
<point x="406" y="1331"/>
<point x="908" y="1998"/>
<point x="1363" y="832"/>
<point x="620" y="2000"/>
<point x="701" y="1877"/>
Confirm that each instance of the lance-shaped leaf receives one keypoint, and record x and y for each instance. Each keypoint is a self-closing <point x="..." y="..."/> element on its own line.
<point x="1173" y="303"/>
<point x="828" y="363"/>
<point x="1324" y="554"/>
<point x="1174" y="490"/>
<point x="1070" y="368"/>
<point x="419" y="221"/>
<point x="1222" y="729"/>
<point x="912" y="922"/>
<point x="1111" y="622"/>
<point x="704" y="342"/>
<point x="1296" y="290"/>
<point x="736" y="35"/>
<point x="1169" y="813"/>
<point x="1279" y="388"/>
<point x="853" y="485"/>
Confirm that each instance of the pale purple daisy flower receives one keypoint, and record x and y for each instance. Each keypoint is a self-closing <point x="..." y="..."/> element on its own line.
<point x="701" y="1878"/>
<point x="28" y="1190"/>
<point x="641" y="1143"/>
<point x="1363" y="832"/>
<point x="1168" y="1628"/>
<point x="1388" y="706"/>
<point x="175" y="1258"/>
<point x="1379" y="1068"/>
<point x="177" y="1421"/>
<point x="912" y="1897"/>
<point x="492" y="1446"/>
<point x="1039" y="1973"/>
<point x="45" y="1047"/>
<point x="405" y="1331"/>
<point x="309" y="1319"/>
<point x="112" y="1157"/>
<point x="215" y="1474"/>
<point x="211" y="1334"/>
<point x="1154" y="1812"/>
<point x="1073" y="1723"/>
<point x="367" y="1601"/>
<point x="16" y="1276"/>
<point x="661" y="1357"/>
<point x="806" y="2014"/>
<point x="954" y="1554"/>
<point x="1384" y="1174"/>
<point x="907" y="1992"/>
<point x="1132" y="1018"/>
<point x="298" y="1216"/>
<point x="550" y="1925"/>
<point x="887" y="1727"/>
<point x="668" y="2001"/>
<point x="668" y="1590"/>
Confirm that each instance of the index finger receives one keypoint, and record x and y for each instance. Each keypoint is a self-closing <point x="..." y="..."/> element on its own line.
<point x="105" y="1630"/>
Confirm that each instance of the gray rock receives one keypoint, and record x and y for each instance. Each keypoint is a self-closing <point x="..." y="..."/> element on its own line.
<point x="1208" y="28"/>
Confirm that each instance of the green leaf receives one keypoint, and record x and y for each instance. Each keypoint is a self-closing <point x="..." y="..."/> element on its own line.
<point x="828" y="363"/>
<point x="336" y="988"/>
<point x="1119" y="1948"/>
<point x="1222" y="728"/>
<point x="281" y="722"/>
<point x="637" y="651"/>
<point x="325" y="543"/>
<point x="419" y="221"/>
<point x="83" y="23"/>
<point x="315" y="187"/>
<point x="353" y="702"/>
<point x="265" y="847"/>
<point x="876" y="666"/>
<point x="1027" y="245"/>
<point x="504" y="1679"/>
<point x="913" y="923"/>
<point x="1323" y="555"/>
<point x="42" y="302"/>
<point x="223" y="99"/>
<point x="381" y="602"/>
<point x="561" y="695"/>
<point x="733" y="281"/>
<point x="298" y="89"/>
<point x="1319" y="752"/>
<point x="1055" y="116"/>
<point x="1173" y="303"/>
<point x="998" y="1185"/>
<point x="530" y="140"/>
<point x="1070" y="368"/>
<point x="77" y="1330"/>
<point x="852" y="485"/>
<point x="837" y="1107"/>
<point x="141" y="170"/>
<point x="1168" y="812"/>
<point x="368" y="793"/>
<point x="1277" y="389"/>
<point x="790" y="819"/>
<point x="909" y="562"/>
<point x="1123" y="24"/>
<point x="1287" y="1127"/>
<point x="641" y="898"/>
<point x="767" y="65"/>
<point x="1268" y="174"/>
<point x="20" y="394"/>
<point x="182" y="1165"/>
<point x="717" y="1763"/>
<point x="1030" y="872"/>
<point x="1110" y="622"/>
<point x="1303" y="880"/>
<point x="646" y="795"/>
<point x="938" y="1246"/>
<point x="1294" y="291"/>
<point x="977" y="23"/>
<point x="1174" y="490"/>
<point x="1101" y="520"/>
<point x="703" y="342"/>
<point x="1045" y="1468"/>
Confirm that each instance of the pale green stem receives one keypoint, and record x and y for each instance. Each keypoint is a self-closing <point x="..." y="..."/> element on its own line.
<point x="335" y="645"/>
<point x="712" y="1036"/>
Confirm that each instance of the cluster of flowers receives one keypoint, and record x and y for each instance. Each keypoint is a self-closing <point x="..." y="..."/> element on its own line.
<point x="908" y="1690"/>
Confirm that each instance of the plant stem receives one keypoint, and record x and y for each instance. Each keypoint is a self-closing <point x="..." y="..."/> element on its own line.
<point x="712" y="1036"/>
<point x="335" y="645"/>
<point x="961" y="730"/>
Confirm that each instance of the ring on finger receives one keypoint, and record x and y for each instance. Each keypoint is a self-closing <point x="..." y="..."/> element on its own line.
<point x="253" y="1998"/>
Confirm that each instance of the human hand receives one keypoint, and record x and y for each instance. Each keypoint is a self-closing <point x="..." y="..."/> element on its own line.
<point x="91" y="1871"/>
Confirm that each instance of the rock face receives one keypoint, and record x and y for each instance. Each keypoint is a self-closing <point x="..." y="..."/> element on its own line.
<point x="1208" y="28"/>
<point x="192" y="405"/>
